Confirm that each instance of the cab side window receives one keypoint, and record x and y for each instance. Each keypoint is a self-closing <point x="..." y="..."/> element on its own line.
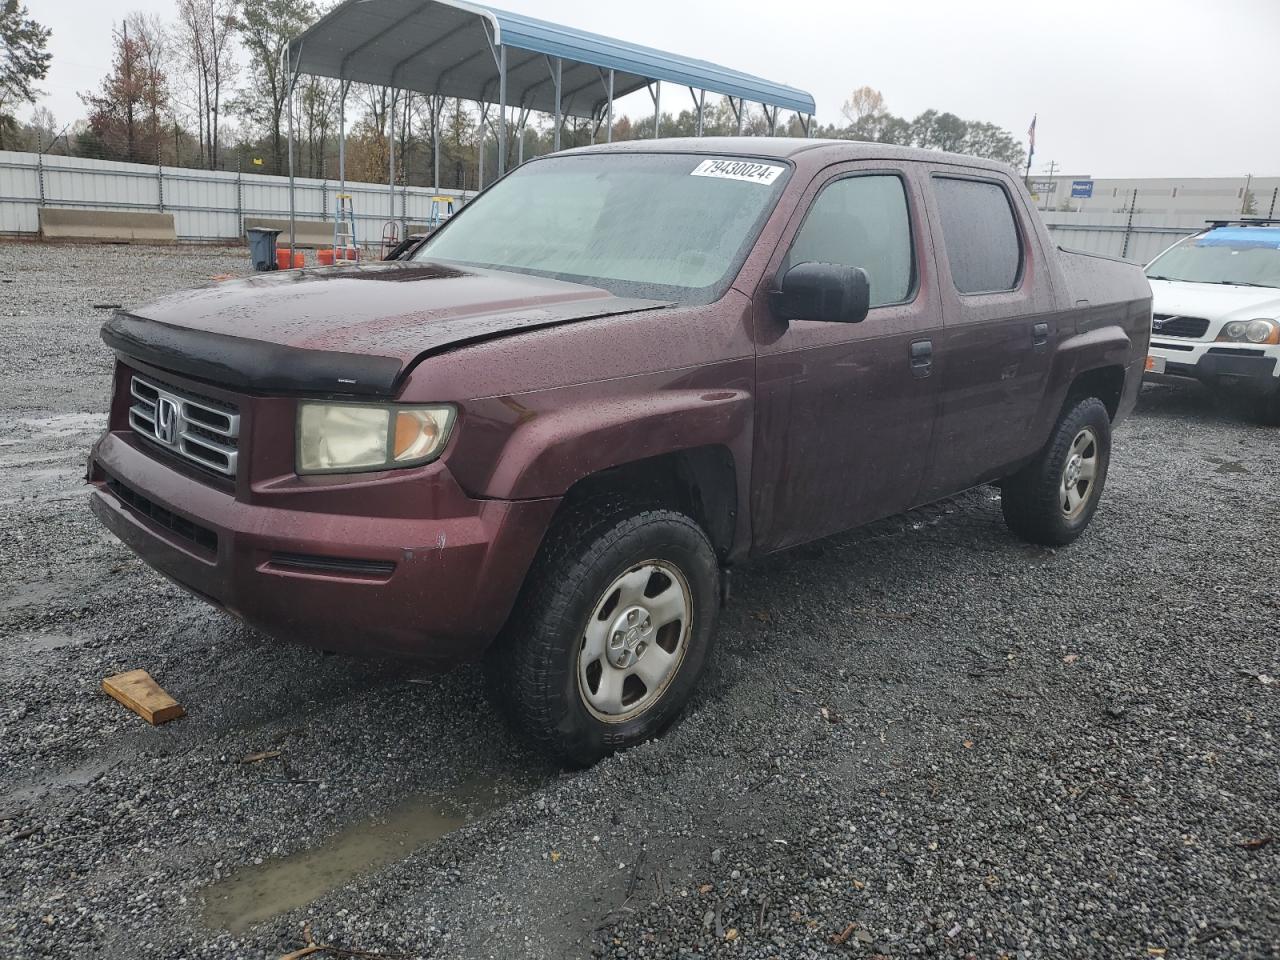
<point x="978" y="228"/>
<point x="862" y="221"/>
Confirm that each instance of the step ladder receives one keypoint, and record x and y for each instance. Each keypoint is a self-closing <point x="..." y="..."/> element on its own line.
<point x="441" y="210"/>
<point x="344" y="231"/>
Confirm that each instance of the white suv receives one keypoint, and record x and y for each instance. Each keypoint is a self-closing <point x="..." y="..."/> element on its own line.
<point x="1216" y="305"/>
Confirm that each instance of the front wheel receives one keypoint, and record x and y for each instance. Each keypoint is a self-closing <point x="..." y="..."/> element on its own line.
<point x="1052" y="499"/>
<point x="611" y="632"/>
<point x="1269" y="409"/>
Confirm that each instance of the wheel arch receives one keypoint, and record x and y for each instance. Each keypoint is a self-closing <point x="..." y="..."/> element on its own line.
<point x="1095" y="363"/>
<point x="700" y="482"/>
<point x="1106" y="383"/>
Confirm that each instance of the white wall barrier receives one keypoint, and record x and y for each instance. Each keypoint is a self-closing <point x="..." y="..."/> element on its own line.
<point x="207" y="205"/>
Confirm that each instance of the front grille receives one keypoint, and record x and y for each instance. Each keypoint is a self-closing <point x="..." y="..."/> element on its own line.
<point x="184" y="528"/>
<point x="1172" y="325"/>
<point x="199" y="429"/>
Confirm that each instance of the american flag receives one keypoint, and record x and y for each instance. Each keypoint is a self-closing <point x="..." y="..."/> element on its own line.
<point x="1031" y="133"/>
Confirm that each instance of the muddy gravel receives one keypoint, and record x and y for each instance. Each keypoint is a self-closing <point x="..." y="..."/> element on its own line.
<point x="924" y="738"/>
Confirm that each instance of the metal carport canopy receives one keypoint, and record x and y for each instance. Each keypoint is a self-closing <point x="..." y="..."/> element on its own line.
<point x="451" y="48"/>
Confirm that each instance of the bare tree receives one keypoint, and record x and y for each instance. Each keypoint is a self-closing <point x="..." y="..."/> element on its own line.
<point x="266" y="27"/>
<point x="124" y="118"/>
<point x="204" y="37"/>
<point x="153" y="54"/>
<point x="318" y="98"/>
<point x="863" y="102"/>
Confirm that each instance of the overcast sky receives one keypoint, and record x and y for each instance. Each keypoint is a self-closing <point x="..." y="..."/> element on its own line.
<point x="1121" y="87"/>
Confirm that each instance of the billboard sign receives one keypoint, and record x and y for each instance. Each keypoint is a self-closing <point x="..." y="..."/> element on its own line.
<point x="1081" y="189"/>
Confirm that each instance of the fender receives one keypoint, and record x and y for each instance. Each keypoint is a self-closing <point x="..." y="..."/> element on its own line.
<point x="1101" y="346"/>
<point x="548" y="453"/>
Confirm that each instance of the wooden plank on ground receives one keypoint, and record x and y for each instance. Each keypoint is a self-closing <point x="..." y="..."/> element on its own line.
<point x="137" y="691"/>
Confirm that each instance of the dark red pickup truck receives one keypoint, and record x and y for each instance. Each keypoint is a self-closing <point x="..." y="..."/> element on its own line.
<point x="615" y="374"/>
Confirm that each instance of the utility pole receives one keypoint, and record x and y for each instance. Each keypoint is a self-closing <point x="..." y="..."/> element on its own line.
<point x="1048" y="197"/>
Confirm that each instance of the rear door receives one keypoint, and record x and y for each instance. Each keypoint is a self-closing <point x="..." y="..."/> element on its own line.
<point x="845" y="412"/>
<point x="999" y="327"/>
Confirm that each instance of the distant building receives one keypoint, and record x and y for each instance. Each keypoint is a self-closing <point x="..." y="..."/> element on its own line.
<point x="1137" y="218"/>
<point x="1191" y="197"/>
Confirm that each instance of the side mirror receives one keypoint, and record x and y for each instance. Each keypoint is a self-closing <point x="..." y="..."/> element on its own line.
<point x="828" y="292"/>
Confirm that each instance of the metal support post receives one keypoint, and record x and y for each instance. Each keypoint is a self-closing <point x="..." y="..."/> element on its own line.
<point x="437" y="104"/>
<point x="293" y="213"/>
<point x="484" y="119"/>
<point x="557" y="75"/>
<point x="342" y="137"/>
<point x="391" y="151"/>
<point x="502" y="107"/>
<point x="608" y="136"/>
<point x="699" y="103"/>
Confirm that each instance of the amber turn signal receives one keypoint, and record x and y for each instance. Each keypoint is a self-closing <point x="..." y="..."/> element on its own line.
<point x="417" y="432"/>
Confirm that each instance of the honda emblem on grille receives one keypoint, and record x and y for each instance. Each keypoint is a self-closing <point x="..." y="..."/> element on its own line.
<point x="166" y="421"/>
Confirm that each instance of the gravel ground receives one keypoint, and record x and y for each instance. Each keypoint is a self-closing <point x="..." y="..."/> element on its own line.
<point x="924" y="738"/>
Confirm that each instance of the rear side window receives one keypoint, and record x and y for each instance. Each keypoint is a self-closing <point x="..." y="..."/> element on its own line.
<point x="861" y="222"/>
<point x="980" y="233"/>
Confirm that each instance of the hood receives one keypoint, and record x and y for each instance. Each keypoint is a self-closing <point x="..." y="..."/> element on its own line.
<point x="353" y="330"/>
<point x="1216" y="302"/>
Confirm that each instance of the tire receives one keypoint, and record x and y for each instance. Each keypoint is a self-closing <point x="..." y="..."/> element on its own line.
<point x="611" y="632"/>
<point x="1041" y="503"/>
<point x="1269" y="410"/>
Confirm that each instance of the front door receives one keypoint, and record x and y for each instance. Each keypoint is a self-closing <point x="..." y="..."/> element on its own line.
<point x="845" y="412"/>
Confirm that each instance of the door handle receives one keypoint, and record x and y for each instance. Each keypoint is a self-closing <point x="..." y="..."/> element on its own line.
<point x="921" y="358"/>
<point x="1040" y="336"/>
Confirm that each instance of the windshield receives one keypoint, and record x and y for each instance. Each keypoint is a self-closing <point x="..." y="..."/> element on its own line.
<point x="667" y="226"/>
<point x="1249" y="256"/>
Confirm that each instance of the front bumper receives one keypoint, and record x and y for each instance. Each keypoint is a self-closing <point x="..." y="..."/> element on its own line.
<point x="1256" y="370"/>
<point x="437" y="588"/>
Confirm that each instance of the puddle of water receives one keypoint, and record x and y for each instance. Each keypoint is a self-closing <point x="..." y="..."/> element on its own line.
<point x="30" y="595"/>
<point x="261" y="892"/>
<point x="75" y="777"/>
<point x="27" y="643"/>
<point x="65" y="424"/>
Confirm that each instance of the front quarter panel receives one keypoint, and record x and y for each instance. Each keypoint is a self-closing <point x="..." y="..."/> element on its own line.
<point x="539" y="412"/>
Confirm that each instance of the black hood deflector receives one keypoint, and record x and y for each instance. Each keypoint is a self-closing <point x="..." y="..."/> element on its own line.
<point x="240" y="363"/>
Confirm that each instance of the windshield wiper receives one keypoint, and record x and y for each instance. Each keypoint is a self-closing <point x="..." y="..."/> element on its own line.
<point x="1228" y="283"/>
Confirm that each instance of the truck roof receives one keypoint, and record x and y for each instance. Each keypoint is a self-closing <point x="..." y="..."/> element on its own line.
<point x="784" y="148"/>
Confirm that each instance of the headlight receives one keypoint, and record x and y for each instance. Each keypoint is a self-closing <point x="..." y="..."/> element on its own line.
<point x="1250" y="331"/>
<point x="355" y="437"/>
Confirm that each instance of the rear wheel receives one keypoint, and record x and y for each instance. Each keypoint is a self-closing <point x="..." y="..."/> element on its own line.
<point x="612" y="630"/>
<point x="1052" y="499"/>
